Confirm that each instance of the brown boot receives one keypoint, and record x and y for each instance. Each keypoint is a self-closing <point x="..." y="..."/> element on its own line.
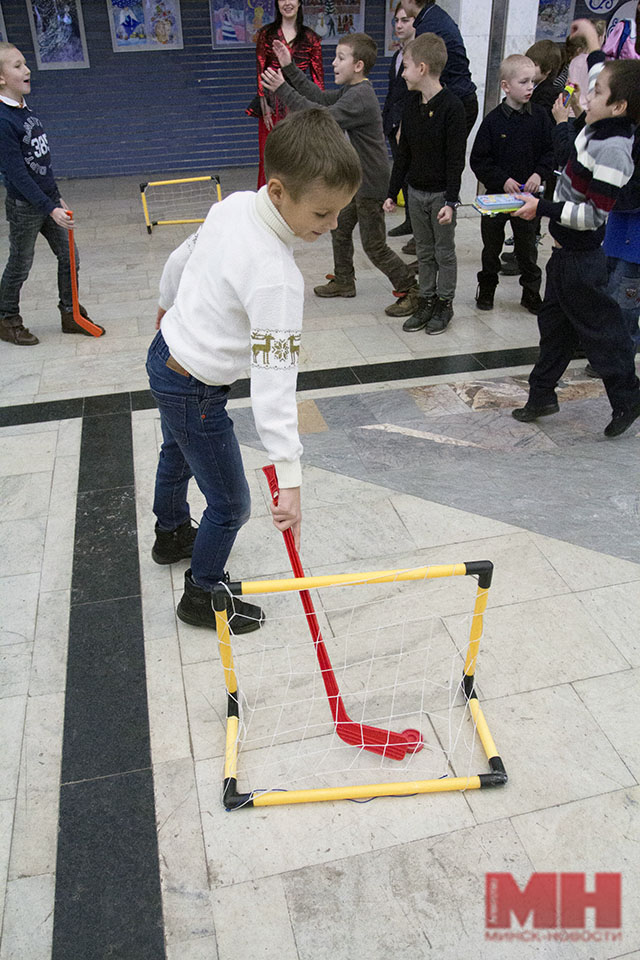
<point x="70" y="326"/>
<point x="13" y="331"/>
<point x="405" y="305"/>
<point x="336" y="288"/>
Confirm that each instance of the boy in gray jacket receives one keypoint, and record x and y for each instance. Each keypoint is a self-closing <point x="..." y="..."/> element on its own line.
<point x="355" y="107"/>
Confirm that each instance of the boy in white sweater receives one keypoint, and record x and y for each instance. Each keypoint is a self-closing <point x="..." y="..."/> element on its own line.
<point x="238" y="305"/>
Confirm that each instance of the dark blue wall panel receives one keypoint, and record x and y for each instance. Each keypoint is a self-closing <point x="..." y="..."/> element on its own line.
<point x="159" y="112"/>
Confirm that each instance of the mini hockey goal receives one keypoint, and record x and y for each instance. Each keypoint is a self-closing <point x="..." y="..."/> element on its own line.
<point x="362" y="693"/>
<point x="178" y="201"/>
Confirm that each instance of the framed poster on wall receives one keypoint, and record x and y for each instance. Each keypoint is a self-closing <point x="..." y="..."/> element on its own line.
<point x="143" y="25"/>
<point x="235" y="23"/>
<point x="554" y="19"/>
<point x="334" y="19"/>
<point x="58" y="35"/>
<point x="3" y="29"/>
<point x="390" y="40"/>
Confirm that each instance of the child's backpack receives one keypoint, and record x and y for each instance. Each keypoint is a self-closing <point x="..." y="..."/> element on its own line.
<point x="621" y="42"/>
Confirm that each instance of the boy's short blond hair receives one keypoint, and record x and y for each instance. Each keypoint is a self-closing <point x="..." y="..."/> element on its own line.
<point x="308" y="147"/>
<point x="511" y="65"/>
<point x="5" y="46"/>
<point x="363" y="47"/>
<point x="429" y="49"/>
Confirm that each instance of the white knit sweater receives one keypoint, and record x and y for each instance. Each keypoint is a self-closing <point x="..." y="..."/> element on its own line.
<point x="234" y="299"/>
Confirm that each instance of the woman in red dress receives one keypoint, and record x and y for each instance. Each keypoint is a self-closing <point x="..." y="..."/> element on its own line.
<point x="306" y="51"/>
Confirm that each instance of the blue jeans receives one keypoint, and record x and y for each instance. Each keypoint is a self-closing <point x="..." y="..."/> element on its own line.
<point x="198" y="441"/>
<point x="25" y="223"/>
<point x="624" y="287"/>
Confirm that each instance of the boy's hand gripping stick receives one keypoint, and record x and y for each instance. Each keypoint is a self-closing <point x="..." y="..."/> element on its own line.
<point x="385" y="742"/>
<point x="83" y="322"/>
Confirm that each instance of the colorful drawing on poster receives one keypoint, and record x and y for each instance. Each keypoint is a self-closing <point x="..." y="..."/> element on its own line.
<point x="143" y="25"/>
<point x="3" y="29"/>
<point x="554" y="19"/>
<point x="333" y="19"/>
<point x="58" y="35"/>
<point x="235" y="23"/>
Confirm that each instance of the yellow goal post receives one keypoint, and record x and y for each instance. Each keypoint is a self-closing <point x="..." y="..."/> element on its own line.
<point x="495" y="776"/>
<point x="187" y="200"/>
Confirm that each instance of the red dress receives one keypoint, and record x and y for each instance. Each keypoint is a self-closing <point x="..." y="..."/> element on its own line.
<point x="306" y="52"/>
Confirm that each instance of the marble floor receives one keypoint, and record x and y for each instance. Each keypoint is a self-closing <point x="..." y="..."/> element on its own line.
<point x="113" y="839"/>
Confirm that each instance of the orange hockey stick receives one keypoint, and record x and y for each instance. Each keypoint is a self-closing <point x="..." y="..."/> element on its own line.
<point x="83" y="322"/>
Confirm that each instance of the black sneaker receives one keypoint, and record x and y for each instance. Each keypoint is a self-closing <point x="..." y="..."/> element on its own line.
<point x="528" y="413"/>
<point x="531" y="302"/>
<point x="419" y="320"/>
<point x="196" y="608"/>
<point x="510" y="268"/>
<point x="441" y="317"/>
<point x="402" y="230"/>
<point x="622" y="420"/>
<point x="410" y="247"/>
<point x="484" y="297"/>
<point x="174" y="545"/>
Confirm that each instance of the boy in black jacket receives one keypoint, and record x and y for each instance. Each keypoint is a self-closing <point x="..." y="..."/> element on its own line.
<point x="430" y="156"/>
<point x="513" y="151"/>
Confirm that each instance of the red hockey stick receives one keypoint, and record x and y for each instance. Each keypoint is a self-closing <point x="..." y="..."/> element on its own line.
<point x="385" y="742"/>
<point x="83" y="322"/>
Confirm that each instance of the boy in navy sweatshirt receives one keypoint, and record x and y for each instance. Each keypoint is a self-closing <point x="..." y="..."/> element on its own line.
<point x="513" y="151"/>
<point x="577" y="308"/>
<point x="431" y="157"/>
<point x="33" y="202"/>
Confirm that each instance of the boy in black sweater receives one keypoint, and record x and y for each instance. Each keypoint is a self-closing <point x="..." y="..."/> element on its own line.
<point x="513" y="151"/>
<point x="431" y="157"/>
<point x="33" y="202"/>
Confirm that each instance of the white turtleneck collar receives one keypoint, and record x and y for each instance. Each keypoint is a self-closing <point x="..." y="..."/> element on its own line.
<point x="272" y="218"/>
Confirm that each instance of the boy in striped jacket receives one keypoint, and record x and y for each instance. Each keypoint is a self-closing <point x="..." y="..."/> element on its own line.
<point x="577" y="309"/>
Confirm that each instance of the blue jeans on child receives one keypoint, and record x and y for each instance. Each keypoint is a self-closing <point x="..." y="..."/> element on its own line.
<point x="198" y="441"/>
<point x="624" y="287"/>
<point x="25" y="223"/>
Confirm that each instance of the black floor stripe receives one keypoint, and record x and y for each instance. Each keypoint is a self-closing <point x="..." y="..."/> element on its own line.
<point x="307" y="380"/>
<point x="108" y="898"/>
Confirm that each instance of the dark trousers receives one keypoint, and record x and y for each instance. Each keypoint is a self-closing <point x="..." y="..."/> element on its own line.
<point x="369" y="215"/>
<point x="578" y="310"/>
<point x="393" y="143"/>
<point x="25" y="223"/>
<point x="524" y="246"/>
<point x="470" y="104"/>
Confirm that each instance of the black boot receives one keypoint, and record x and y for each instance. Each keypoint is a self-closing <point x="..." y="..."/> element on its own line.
<point x="484" y="296"/>
<point x="419" y="320"/>
<point x="174" y="545"/>
<point x="196" y="608"/>
<point x="402" y="230"/>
